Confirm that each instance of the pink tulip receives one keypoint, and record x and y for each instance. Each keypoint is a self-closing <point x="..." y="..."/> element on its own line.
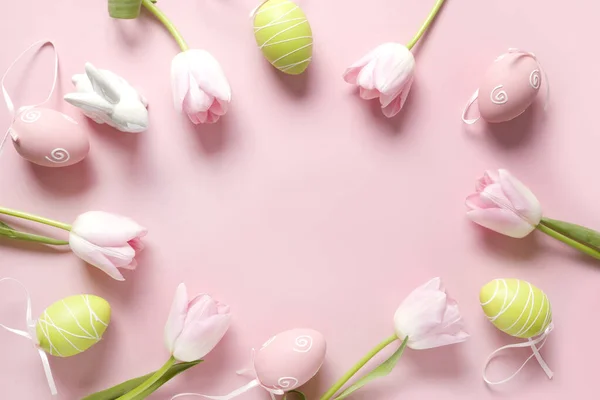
<point x="387" y="73"/>
<point x="200" y="87"/>
<point x="430" y="318"/>
<point x="107" y="241"/>
<point x="195" y="327"/>
<point x="503" y="204"/>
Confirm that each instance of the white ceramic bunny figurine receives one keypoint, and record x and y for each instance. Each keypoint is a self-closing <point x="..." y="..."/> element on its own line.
<point x="107" y="98"/>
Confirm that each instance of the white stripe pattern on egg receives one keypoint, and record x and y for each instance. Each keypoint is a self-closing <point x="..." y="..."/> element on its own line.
<point x="508" y="305"/>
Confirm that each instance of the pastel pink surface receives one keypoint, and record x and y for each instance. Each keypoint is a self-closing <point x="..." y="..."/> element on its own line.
<point x="49" y="138"/>
<point x="290" y="359"/>
<point x="509" y="86"/>
<point x="303" y="205"/>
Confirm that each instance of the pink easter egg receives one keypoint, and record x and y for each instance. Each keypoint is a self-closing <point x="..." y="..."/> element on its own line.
<point x="290" y="359"/>
<point x="509" y="87"/>
<point x="49" y="138"/>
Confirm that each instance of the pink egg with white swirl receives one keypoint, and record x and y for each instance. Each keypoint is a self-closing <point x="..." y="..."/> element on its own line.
<point x="49" y="138"/>
<point x="290" y="359"/>
<point x="509" y="87"/>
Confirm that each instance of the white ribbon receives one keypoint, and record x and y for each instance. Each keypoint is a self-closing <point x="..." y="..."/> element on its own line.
<point x="7" y="99"/>
<point x="536" y="353"/>
<point x="31" y="335"/>
<point x="249" y="386"/>
<point x="253" y="12"/>
<point x="474" y="96"/>
<point x="472" y="100"/>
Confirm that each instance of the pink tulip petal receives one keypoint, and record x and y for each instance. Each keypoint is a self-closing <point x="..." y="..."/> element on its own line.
<point x="200" y="337"/>
<point x="393" y="108"/>
<point x="476" y="202"/>
<point x="428" y="310"/>
<point x="489" y="177"/>
<point x="501" y="221"/>
<point x="365" y="77"/>
<point x="201" y="307"/>
<point x="106" y="229"/>
<point x="196" y="100"/>
<point x="438" y="341"/>
<point x="522" y="199"/>
<point x="137" y="245"/>
<point x="367" y="94"/>
<point x="176" y="319"/>
<point x="132" y="266"/>
<point x="93" y="256"/>
<point x="351" y="74"/>
<point x="194" y="118"/>
<point x="180" y="82"/>
<point x="216" y="108"/>
<point x="119" y="256"/>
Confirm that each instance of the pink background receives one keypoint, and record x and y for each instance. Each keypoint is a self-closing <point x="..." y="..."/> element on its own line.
<point x="304" y="207"/>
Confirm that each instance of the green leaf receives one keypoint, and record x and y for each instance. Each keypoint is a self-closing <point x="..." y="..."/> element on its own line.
<point x="301" y="395"/>
<point x="576" y="235"/>
<point x="119" y="390"/>
<point x="380" y="371"/>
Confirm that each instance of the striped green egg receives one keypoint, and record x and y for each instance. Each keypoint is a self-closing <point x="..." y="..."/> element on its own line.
<point x="283" y="35"/>
<point x="516" y="307"/>
<point x="73" y="325"/>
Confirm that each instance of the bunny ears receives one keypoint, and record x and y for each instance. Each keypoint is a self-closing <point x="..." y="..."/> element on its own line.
<point x="105" y="97"/>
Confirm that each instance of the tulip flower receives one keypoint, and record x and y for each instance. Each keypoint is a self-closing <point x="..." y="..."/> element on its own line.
<point x="505" y="205"/>
<point x="106" y="241"/>
<point x="387" y="72"/>
<point x="427" y="318"/>
<point x="200" y="88"/>
<point x="195" y="326"/>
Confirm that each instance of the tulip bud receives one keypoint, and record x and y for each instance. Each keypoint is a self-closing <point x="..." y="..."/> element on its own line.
<point x="72" y="325"/>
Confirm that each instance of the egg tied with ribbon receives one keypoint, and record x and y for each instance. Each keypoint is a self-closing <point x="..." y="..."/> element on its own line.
<point x="72" y="325"/>
<point x="516" y="307"/>
<point x="284" y="36"/>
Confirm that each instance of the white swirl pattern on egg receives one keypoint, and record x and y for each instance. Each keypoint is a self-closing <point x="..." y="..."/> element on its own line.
<point x="498" y="96"/>
<point x="303" y="344"/>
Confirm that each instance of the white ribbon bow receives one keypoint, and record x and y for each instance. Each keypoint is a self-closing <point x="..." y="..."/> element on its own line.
<point x="30" y="334"/>
<point x="474" y="96"/>
<point x="536" y="353"/>
<point x="7" y="99"/>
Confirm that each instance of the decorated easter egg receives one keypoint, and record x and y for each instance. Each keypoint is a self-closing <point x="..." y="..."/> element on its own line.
<point x="516" y="307"/>
<point x="283" y="35"/>
<point x="290" y="359"/>
<point x="73" y="325"/>
<point x="509" y="87"/>
<point x="49" y="138"/>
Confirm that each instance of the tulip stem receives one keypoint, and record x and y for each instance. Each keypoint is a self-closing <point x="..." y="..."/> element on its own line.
<point x="150" y="381"/>
<point x="149" y="4"/>
<point x="361" y="363"/>
<point x="434" y="11"/>
<point x="549" y="229"/>
<point x="29" y="237"/>
<point x="34" y="218"/>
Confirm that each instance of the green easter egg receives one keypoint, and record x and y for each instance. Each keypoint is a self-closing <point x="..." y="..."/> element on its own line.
<point x="283" y="35"/>
<point x="73" y="325"/>
<point x="516" y="307"/>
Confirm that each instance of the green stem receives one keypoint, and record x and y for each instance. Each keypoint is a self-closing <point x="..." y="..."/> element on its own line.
<point x="167" y="23"/>
<point x="150" y="381"/>
<point x="29" y="237"/>
<point x="425" y="26"/>
<point x="361" y="363"/>
<point x="35" y="218"/>
<point x="583" y="247"/>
